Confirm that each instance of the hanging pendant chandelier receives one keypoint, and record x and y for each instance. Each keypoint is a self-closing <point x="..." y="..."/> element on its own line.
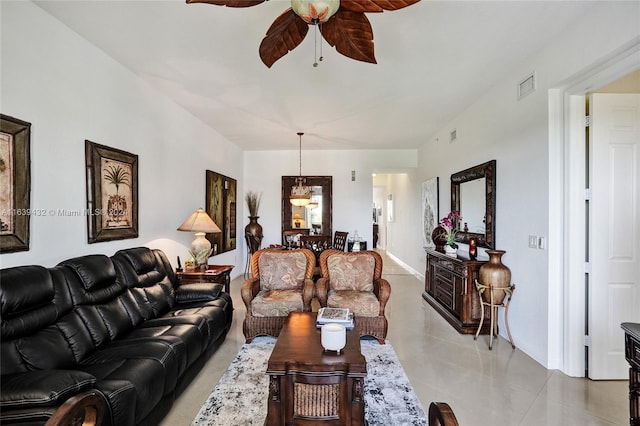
<point x="300" y="194"/>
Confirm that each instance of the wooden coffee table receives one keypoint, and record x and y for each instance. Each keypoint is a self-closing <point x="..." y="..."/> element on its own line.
<point x="309" y="386"/>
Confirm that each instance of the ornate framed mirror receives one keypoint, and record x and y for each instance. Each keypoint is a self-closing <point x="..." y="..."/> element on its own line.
<point x="314" y="220"/>
<point x="473" y="194"/>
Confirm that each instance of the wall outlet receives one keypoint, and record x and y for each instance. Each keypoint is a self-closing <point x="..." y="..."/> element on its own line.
<point x="533" y="241"/>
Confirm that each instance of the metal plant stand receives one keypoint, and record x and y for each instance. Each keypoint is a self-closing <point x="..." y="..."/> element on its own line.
<point x="494" y="310"/>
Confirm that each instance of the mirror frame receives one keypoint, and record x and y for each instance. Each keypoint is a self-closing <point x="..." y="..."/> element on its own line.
<point x="326" y="182"/>
<point x="488" y="171"/>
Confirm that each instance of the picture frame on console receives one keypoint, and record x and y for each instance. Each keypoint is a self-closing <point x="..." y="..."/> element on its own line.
<point x="15" y="175"/>
<point x="112" y="193"/>
<point x="430" y="209"/>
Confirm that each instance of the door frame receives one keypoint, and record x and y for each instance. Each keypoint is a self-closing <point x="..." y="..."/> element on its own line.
<point x="566" y="275"/>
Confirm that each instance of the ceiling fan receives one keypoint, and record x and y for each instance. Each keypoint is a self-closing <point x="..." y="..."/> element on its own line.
<point x="343" y="24"/>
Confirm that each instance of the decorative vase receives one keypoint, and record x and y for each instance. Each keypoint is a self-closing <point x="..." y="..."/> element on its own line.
<point x="333" y="337"/>
<point x="439" y="236"/>
<point x="450" y="251"/>
<point x="495" y="274"/>
<point x="253" y="233"/>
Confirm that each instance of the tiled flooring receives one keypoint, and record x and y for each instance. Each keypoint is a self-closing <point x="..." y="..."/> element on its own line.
<point x="499" y="387"/>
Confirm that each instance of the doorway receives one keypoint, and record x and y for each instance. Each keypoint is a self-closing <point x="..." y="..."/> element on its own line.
<point x="569" y="261"/>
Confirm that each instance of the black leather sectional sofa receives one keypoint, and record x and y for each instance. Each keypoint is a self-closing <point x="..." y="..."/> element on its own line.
<point x="115" y="325"/>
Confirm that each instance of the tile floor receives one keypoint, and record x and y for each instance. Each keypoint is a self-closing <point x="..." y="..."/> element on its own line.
<point x="492" y="388"/>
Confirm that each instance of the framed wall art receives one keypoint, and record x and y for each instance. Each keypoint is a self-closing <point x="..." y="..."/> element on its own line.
<point x="430" y="209"/>
<point x="112" y="193"/>
<point x="15" y="184"/>
<point x="221" y="206"/>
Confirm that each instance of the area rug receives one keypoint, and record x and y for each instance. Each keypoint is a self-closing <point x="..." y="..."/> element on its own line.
<point x="240" y="398"/>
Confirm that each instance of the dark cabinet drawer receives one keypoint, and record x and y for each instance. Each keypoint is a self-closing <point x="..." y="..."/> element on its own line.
<point x="444" y="293"/>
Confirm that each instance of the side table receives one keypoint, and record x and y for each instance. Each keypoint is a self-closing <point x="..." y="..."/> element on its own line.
<point x="214" y="274"/>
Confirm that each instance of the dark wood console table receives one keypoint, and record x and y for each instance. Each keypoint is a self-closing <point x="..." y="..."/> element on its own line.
<point x="449" y="287"/>
<point x="632" y="353"/>
<point x="214" y="274"/>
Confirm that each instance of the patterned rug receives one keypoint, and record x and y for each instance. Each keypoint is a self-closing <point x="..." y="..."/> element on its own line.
<point x="240" y="398"/>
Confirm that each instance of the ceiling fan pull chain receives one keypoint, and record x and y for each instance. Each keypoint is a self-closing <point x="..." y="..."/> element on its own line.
<point x="321" y="57"/>
<point x="315" y="46"/>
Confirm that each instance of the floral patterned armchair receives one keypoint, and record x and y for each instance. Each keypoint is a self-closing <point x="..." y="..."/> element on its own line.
<point x="281" y="282"/>
<point x="354" y="281"/>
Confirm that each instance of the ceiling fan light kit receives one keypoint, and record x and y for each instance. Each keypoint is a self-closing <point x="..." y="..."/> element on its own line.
<point x="315" y="11"/>
<point x="343" y="25"/>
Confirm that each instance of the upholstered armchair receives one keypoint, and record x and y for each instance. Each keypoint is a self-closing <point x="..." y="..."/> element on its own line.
<point x="354" y="281"/>
<point x="281" y="282"/>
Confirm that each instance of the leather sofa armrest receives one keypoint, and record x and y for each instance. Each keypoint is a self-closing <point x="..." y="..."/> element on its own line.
<point x="42" y="388"/>
<point x="198" y="292"/>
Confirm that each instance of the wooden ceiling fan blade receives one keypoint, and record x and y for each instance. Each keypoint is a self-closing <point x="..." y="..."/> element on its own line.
<point x="229" y="3"/>
<point x="351" y="34"/>
<point x="375" y="5"/>
<point x="284" y="35"/>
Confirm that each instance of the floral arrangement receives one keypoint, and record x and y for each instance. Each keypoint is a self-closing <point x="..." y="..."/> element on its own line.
<point x="450" y="222"/>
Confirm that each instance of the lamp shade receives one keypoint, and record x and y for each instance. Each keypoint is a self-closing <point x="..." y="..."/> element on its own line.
<point x="199" y="221"/>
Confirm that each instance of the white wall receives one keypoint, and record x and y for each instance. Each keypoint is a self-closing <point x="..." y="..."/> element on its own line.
<point x="515" y="133"/>
<point x="352" y="201"/>
<point x="70" y="91"/>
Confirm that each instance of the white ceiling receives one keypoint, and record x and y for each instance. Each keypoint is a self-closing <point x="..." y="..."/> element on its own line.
<point x="434" y="59"/>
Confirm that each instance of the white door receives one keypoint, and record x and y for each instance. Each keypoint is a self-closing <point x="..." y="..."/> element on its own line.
<point x="614" y="230"/>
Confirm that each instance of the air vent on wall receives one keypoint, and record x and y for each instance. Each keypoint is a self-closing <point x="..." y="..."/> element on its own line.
<point x="527" y="85"/>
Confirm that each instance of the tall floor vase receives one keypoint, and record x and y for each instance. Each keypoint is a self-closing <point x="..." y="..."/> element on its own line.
<point x="495" y="274"/>
<point x="253" y="234"/>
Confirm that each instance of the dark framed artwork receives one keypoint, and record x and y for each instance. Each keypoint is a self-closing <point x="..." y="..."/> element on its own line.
<point x="112" y="193"/>
<point x="221" y="206"/>
<point x="15" y="184"/>
<point x="430" y="209"/>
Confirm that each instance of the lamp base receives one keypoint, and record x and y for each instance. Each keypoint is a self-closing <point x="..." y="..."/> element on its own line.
<point x="200" y="249"/>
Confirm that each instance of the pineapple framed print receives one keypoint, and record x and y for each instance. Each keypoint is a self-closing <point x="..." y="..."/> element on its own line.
<point x="15" y="184"/>
<point x="112" y="193"/>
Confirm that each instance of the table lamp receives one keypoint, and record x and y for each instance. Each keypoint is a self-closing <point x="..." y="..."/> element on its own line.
<point x="200" y="223"/>
<point x="297" y="218"/>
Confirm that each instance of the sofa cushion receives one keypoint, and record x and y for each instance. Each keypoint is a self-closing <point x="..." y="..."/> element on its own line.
<point x="141" y="258"/>
<point x="276" y="303"/>
<point x="43" y="387"/>
<point x="94" y="271"/>
<point x="361" y="303"/>
<point x="24" y="289"/>
<point x="353" y="272"/>
<point x="33" y="299"/>
<point x="282" y="270"/>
